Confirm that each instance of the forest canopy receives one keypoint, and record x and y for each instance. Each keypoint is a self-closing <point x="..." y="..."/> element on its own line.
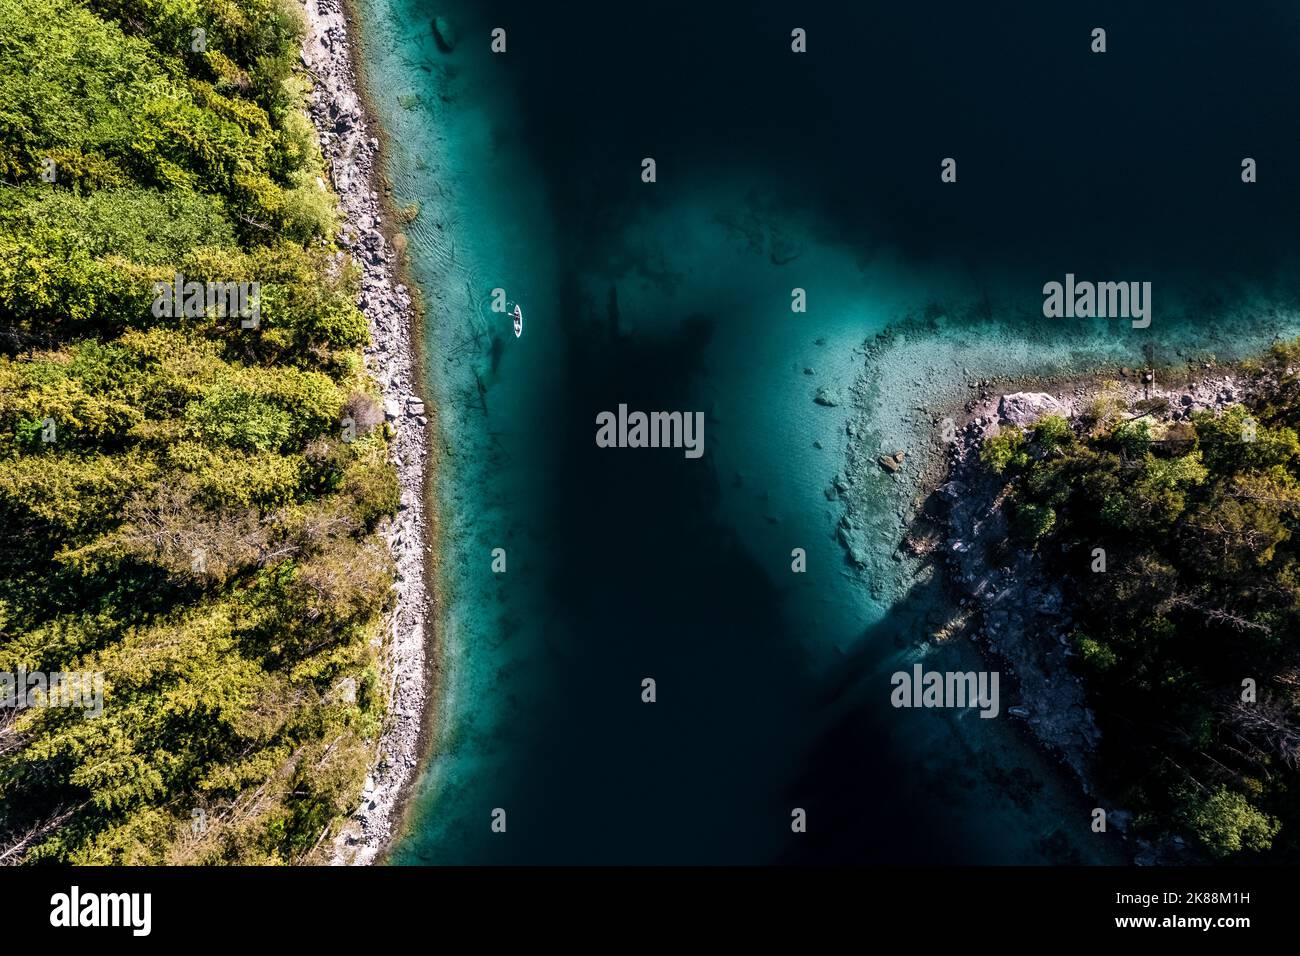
<point x="182" y="510"/>
<point x="1187" y="637"/>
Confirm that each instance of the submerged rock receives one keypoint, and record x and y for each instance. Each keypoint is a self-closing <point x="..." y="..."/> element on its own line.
<point x="444" y="33"/>
<point x="827" y="397"/>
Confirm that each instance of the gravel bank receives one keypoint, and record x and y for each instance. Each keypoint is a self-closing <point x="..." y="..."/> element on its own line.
<point x="353" y="158"/>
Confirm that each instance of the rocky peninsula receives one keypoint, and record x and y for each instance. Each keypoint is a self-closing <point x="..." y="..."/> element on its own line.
<point x="950" y="519"/>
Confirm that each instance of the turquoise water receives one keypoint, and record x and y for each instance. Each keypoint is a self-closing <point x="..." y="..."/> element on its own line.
<point x="773" y="686"/>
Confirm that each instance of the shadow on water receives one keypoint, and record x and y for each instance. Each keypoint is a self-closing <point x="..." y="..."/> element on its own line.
<point x="645" y="584"/>
<point x="877" y="786"/>
<point x="877" y="791"/>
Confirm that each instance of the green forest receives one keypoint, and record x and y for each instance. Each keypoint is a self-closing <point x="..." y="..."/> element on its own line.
<point x="1175" y="540"/>
<point x="182" y="507"/>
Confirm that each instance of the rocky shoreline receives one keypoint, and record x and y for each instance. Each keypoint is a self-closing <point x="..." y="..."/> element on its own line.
<point x="352" y="155"/>
<point x="943" y="512"/>
<point x="1010" y="604"/>
<point x="1012" y="608"/>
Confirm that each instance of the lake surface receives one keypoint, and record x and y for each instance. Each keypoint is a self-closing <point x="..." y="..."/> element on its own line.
<point x="775" y="171"/>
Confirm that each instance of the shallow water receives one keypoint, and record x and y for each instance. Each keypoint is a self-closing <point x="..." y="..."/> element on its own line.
<point x="774" y="172"/>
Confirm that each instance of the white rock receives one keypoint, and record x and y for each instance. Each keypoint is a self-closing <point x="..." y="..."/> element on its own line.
<point x="1025" y="408"/>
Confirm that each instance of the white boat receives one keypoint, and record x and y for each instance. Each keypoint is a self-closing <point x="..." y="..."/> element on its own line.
<point x="519" y="322"/>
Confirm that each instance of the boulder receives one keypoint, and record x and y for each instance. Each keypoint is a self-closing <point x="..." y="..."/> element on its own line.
<point x="347" y="690"/>
<point x="1025" y="408"/>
